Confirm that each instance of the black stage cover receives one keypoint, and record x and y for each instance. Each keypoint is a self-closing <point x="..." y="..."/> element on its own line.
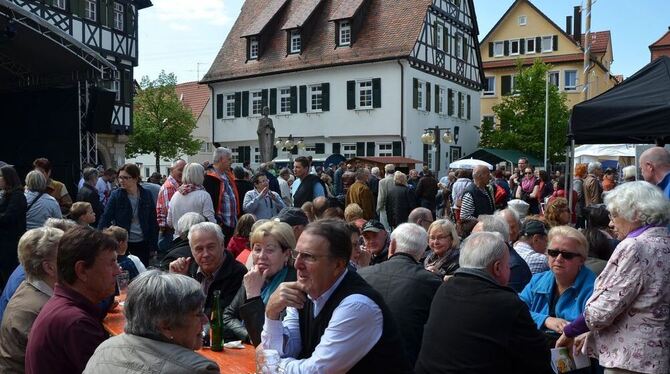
<point x="636" y="111"/>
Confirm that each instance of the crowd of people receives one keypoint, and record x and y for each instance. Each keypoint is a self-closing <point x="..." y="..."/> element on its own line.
<point x="338" y="269"/>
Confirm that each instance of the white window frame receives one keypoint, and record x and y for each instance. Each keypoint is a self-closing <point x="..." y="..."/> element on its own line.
<point x="458" y="46"/>
<point x="512" y="85"/>
<point x="60" y="4"/>
<point x="344" y="37"/>
<point x="461" y="110"/>
<point x="486" y="91"/>
<point x="511" y="47"/>
<point x="91" y="10"/>
<point x="556" y="74"/>
<point x="310" y="148"/>
<point x="349" y="150"/>
<point x="439" y="36"/>
<point x="229" y="105"/>
<point x="315" y="98"/>
<point x="284" y="100"/>
<point x="420" y="95"/>
<point x="523" y="20"/>
<point x="257" y="155"/>
<point x="253" y="48"/>
<point x="545" y="44"/>
<point x="235" y="156"/>
<point x="529" y="51"/>
<point x="364" y="94"/>
<point x="497" y="44"/>
<point x="384" y="149"/>
<point x="118" y="16"/>
<point x="567" y="87"/>
<point x="256" y="103"/>
<point x="442" y="101"/>
<point x="117" y="85"/>
<point x="296" y="41"/>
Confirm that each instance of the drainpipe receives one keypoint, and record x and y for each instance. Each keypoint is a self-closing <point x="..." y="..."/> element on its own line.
<point x="402" y="107"/>
<point x="212" y="100"/>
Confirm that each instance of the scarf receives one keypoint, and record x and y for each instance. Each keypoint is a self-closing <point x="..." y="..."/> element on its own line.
<point x="527" y="184"/>
<point x="271" y="286"/>
<point x="437" y="262"/>
<point x="185" y="189"/>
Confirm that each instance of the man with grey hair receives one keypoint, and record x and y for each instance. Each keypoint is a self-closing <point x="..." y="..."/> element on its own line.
<point x="655" y="167"/>
<point x="519" y="271"/>
<point x="89" y="193"/>
<point x="593" y="189"/>
<point x="462" y="321"/>
<point x="210" y="264"/>
<point x="407" y="287"/>
<point x="384" y="186"/>
<point x="165" y="194"/>
<point x="421" y="216"/>
<point x="180" y="246"/>
<point x="220" y="185"/>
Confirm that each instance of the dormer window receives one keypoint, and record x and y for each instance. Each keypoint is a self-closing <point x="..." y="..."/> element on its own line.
<point x="296" y="41"/>
<point x="345" y="33"/>
<point x="253" y="48"/>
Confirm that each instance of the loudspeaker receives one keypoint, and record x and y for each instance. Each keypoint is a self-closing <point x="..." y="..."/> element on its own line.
<point x="100" y="109"/>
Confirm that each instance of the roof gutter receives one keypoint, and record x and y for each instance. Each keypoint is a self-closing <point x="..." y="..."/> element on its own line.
<point x="402" y="106"/>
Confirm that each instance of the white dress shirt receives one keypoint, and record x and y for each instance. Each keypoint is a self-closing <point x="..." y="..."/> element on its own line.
<point x="355" y="327"/>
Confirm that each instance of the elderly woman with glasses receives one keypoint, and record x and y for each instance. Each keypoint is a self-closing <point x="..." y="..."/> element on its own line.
<point x="557" y="297"/>
<point x="164" y="319"/>
<point x="261" y="201"/>
<point x="629" y="315"/>
<point x="271" y="246"/>
<point x="444" y="242"/>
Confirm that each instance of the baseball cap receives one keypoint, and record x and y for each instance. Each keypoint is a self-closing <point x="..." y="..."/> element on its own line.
<point x="532" y="227"/>
<point x="292" y="216"/>
<point x="373" y="226"/>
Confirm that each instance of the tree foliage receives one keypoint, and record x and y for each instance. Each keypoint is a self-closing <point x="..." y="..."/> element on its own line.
<point x="521" y="116"/>
<point x="162" y="123"/>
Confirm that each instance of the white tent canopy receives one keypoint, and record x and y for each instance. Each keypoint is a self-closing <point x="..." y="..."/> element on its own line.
<point x="598" y="152"/>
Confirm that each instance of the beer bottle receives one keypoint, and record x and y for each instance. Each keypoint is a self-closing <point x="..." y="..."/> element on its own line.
<point x="216" y="323"/>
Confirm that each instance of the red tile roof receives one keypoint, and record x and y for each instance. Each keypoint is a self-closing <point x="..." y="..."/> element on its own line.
<point x="347" y="9"/>
<point x="600" y="40"/>
<point x="389" y="30"/>
<point x="195" y="96"/>
<point x="529" y="61"/>
<point x="664" y="41"/>
<point x="302" y="14"/>
<point x="263" y="17"/>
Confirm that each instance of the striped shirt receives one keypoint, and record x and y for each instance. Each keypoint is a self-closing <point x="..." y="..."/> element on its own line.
<point x="536" y="262"/>
<point x="165" y="194"/>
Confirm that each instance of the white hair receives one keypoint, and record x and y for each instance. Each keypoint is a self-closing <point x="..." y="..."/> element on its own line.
<point x="593" y="166"/>
<point x="508" y="211"/>
<point x="209" y="227"/>
<point x="639" y="201"/>
<point x="375" y="171"/>
<point x="187" y="221"/>
<point x="400" y="178"/>
<point x="220" y="152"/>
<point x="629" y="172"/>
<point x="410" y="238"/>
<point x="194" y="173"/>
<point x="482" y="249"/>
<point x="495" y="224"/>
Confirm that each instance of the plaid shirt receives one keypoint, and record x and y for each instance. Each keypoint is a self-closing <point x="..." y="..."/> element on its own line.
<point x="165" y="194"/>
<point x="228" y="203"/>
<point x="536" y="262"/>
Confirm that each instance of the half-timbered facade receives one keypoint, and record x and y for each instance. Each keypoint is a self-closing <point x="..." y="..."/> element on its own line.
<point x="359" y="78"/>
<point x="110" y="28"/>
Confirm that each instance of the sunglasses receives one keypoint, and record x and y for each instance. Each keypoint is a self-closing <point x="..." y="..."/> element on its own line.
<point x="566" y="255"/>
<point x="528" y="173"/>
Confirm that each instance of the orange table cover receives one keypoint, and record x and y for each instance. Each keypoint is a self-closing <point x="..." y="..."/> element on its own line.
<point x="237" y="361"/>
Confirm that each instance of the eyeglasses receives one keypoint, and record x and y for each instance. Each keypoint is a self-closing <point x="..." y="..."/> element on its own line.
<point x="439" y="238"/>
<point x="528" y="173"/>
<point x="305" y="256"/>
<point x="566" y="255"/>
<point x="125" y="177"/>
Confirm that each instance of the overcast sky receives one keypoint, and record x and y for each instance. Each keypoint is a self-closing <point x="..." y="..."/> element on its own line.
<point x="183" y="37"/>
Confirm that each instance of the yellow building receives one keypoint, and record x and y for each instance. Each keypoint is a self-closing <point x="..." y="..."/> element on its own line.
<point x="525" y="33"/>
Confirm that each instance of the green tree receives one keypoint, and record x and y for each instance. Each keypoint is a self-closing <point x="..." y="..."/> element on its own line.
<point x="521" y="116"/>
<point x="162" y="124"/>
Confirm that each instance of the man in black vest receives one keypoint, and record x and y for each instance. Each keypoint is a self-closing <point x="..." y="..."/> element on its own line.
<point x="306" y="186"/>
<point x="478" y="197"/>
<point x="335" y="321"/>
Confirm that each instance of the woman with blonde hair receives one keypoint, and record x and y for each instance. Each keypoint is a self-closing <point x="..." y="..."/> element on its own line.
<point x="557" y="212"/>
<point x="444" y="243"/>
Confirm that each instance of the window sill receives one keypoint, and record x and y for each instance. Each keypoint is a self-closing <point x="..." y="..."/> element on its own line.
<point x="283" y="114"/>
<point x="364" y="109"/>
<point x="314" y="111"/>
<point x="484" y="96"/>
<point x="566" y="90"/>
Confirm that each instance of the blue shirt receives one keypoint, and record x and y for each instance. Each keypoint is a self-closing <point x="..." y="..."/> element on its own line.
<point x="519" y="271"/>
<point x="664" y="184"/>
<point x="18" y="275"/>
<point x="570" y="305"/>
<point x="317" y="191"/>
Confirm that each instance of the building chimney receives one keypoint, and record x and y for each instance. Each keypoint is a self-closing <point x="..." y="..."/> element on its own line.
<point x="568" y="25"/>
<point x="578" y="25"/>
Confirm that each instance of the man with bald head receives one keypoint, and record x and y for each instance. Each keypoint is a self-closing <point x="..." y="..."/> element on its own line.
<point x="421" y="216"/>
<point x="165" y="194"/>
<point x="655" y="167"/>
<point x="478" y="197"/>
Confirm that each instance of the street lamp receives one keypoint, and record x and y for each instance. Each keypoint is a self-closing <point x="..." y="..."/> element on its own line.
<point x="431" y="136"/>
<point x="288" y="144"/>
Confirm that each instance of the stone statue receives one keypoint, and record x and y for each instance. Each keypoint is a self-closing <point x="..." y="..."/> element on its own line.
<point x="266" y="136"/>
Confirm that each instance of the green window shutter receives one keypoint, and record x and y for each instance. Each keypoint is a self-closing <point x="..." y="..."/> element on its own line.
<point x="360" y="149"/>
<point x="294" y="99"/>
<point x="490" y="49"/>
<point x="437" y="98"/>
<point x="351" y="95"/>
<point x="238" y="104"/>
<point x="522" y="46"/>
<point x="465" y="49"/>
<point x="219" y="106"/>
<point x="469" y="106"/>
<point x="370" y="149"/>
<point x="427" y="97"/>
<point x="320" y="148"/>
<point x="426" y="149"/>
<point x="294" y="151"/>
<point x="76" y="7"/>
<point x="264" y="98"/>
<point x="436" y="27"/>
<point x="275" y="151"/>
<point x="303" y="99"/>
<point x="273" y="101"/>
<point x="415" y="93"/>
<point x="506" y="48"/>
<point x="506" y="84"/>
<point x="377" y="93"/>
<point x="538" y="44"/>
<point x="336" y="148"/>
<point x="245" y="104"/>
<point x="450" y="102"/>
<point x="555" y="43"/>
<point x="325" y="97"/>
<point x="397" y="148"/>
<point x="460" y="109"/>
<point x="445" y="38"/>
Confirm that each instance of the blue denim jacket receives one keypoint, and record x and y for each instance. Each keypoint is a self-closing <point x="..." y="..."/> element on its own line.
<point x="119" y="212"/>
<point x="570" y="305"/>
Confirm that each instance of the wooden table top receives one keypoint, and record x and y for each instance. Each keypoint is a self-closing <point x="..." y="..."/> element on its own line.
<point x="233" y="361"/>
